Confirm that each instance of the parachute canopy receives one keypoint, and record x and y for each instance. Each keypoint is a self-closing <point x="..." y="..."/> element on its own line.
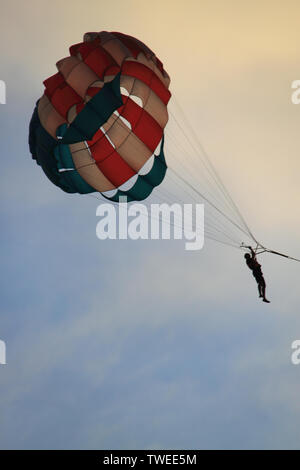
<point x="99" y="126"/>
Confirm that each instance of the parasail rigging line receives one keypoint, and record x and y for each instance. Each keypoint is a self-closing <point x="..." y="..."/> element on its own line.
<point x="212" y="168"/>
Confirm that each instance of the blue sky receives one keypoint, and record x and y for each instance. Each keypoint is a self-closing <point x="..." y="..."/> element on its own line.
<point x="122" y="344"/>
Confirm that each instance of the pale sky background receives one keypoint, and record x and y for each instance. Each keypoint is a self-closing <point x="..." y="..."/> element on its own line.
<point x="134" y="345"/>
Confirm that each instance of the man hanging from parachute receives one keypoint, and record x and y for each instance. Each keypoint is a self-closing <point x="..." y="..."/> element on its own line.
<point x="255" y="267"/>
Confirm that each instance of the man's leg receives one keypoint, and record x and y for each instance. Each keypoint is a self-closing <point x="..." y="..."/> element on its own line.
<point x="259" y="290"/>
<point x="263" y="289"/>
<point x="259" y="286"/>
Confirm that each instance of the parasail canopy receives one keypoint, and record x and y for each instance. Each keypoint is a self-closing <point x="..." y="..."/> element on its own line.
<point x="99" y="125"/>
